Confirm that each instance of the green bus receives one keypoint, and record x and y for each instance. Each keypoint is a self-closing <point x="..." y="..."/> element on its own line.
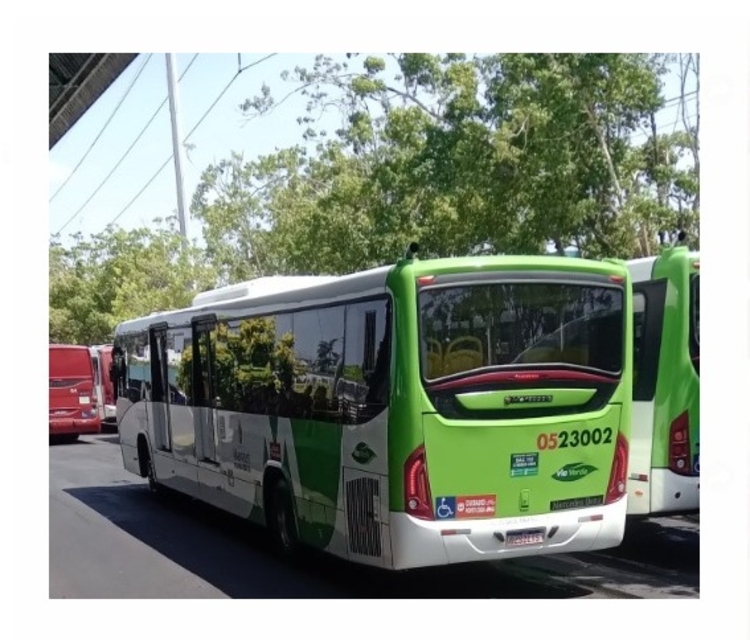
<point x="418" y="414"/>
<point x="664" y="468"/>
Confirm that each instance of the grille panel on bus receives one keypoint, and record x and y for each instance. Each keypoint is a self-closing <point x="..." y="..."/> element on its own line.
<point x="362" y="495"/>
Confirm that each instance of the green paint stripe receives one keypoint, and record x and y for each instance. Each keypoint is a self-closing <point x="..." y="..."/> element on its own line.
<point x="484" y="400"/>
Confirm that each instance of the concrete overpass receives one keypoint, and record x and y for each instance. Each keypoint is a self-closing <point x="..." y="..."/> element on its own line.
<point x="76" y="81"/>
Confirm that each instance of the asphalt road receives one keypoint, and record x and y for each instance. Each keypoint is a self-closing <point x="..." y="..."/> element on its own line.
<point x="110" y="538"/>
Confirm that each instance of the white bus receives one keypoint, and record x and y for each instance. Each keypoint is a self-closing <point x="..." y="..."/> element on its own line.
<point x="362" y="414"/>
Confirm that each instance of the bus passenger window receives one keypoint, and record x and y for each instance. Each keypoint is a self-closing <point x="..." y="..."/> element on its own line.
<point x="363" y="388"/>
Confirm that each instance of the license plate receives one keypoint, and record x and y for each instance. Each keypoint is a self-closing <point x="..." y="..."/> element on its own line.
<point x="525" y="537"/>
<point x="84" y="400"/>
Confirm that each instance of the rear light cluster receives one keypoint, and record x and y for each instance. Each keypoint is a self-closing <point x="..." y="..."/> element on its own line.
<point x="679" y="445"/>
<point x="617" y="477"/>
<point x="417" y="499"/>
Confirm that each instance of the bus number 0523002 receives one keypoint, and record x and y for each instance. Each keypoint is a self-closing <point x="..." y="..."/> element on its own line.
<point x="582" y="438"/>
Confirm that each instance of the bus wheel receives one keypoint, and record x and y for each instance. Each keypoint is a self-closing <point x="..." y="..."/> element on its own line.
<point x="282" y="521"/>
<point x="147" y="465"/>
<point x="153" y="486"/>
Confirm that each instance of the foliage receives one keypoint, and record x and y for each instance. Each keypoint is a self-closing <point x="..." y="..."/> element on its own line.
<point x="505" y="152"/>
<point x="118" y="275"/>
<point x="502" y="153"/>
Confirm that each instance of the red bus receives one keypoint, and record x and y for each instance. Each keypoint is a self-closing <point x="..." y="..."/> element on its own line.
<point x="72" y="402"/>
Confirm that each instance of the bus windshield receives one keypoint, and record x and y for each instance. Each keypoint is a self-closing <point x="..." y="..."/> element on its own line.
<point x="470" y="327"/>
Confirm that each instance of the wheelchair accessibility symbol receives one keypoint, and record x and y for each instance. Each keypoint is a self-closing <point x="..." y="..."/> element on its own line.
<point x="445" y="508"/>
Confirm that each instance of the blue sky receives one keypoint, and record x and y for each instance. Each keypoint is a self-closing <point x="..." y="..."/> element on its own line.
<point x="224" y="129"/>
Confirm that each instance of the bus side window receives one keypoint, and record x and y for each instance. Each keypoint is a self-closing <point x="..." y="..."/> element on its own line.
<point x="365" y="383"/>
<point x="639" y="331"/>
<point x="648" y="319"/>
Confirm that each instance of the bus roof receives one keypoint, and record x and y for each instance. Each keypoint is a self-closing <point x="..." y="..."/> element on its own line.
<point x="266" y="294"/>
<point x="642" y="268"/>
<point x="259" y="287"/>
<point x="53" y="345"/>
<point x="551" y="262"/>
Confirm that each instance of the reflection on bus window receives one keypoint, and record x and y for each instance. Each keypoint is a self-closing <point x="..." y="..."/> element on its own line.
<point x="470" y="327"/>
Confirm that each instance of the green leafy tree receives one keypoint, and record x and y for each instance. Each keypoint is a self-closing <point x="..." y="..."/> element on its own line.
<point x="117" y="275"/>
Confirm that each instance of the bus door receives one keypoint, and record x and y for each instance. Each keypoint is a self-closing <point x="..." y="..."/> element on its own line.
<point x="98" y="381"/>
<point x="158" y="408"/>
<point x="204" y="388"/>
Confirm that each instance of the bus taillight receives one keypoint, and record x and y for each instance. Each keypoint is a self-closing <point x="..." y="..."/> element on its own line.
<point x="679" y="445"/>
<point x="417" y="499"/>
<point x="617" y="477"/>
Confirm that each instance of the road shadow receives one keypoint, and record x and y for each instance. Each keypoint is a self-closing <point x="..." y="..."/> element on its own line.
<point x="237" y="559"/>
<point x="62" y="441"/>
<point x="659" y="549"/>
<point x="115" y="439"/>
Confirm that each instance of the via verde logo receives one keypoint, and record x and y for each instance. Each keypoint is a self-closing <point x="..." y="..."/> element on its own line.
<point x="573" y="471"/>
<point x="362" y="453"/>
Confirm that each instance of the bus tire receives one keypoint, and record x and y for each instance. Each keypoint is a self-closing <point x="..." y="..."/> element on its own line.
<point x="282" y="523"/>
<point x="146" y="465"/>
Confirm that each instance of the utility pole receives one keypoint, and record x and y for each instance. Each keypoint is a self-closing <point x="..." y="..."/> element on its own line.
<point x="176" y="142"/>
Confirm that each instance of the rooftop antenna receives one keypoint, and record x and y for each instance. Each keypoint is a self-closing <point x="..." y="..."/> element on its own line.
<point x="411" y="251"/>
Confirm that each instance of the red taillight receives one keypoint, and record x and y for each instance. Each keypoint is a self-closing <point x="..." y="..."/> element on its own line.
<point x="526" y="376"/>
<point x="617" y="476"/>
<point x="417" y="499"/>
<point x="679" y="445"/>
<point x="423" y="280"/>
<point x="617" y="279"/>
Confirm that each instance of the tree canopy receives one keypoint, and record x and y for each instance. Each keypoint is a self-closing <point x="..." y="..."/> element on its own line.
<point x="503" y="153"/>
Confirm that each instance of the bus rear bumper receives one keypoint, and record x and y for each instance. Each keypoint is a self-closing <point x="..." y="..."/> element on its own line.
<point x="421" y="543"/>
<point x="70" y="426"/>
<point x="673" y="493"/>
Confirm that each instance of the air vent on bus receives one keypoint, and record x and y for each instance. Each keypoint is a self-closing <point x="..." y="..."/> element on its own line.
<point x="258" y="287"/>
<point x="362" y="498"/>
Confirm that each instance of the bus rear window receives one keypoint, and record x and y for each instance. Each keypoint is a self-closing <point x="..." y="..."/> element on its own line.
<point x="464" y="328"/>
<point x="70" y="363"/>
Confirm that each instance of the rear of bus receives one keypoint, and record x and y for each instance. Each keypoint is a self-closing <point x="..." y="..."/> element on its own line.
<point x="664" y="474"/>
<point x="98" y="396"/>
<point x="510" y="416"/>
<point x="72" y="407"/>
<point x="108" y="390"/>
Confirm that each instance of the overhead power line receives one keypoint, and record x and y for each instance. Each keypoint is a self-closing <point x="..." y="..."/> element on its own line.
<point x="208" y="111"/>
<point x="125" y="155"/>
<point x="197" y="124"/>
<point x="106" y="124"/>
